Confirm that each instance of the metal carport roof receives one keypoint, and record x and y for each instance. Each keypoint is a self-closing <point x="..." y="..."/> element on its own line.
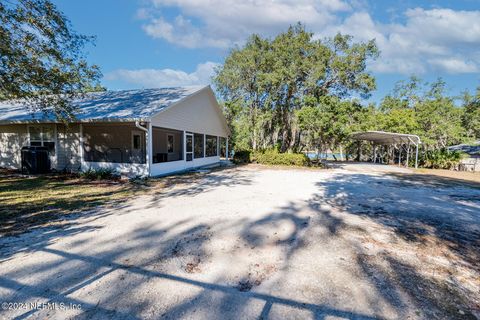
<point x="390" y="138"/>
<point x="382" y="137"/>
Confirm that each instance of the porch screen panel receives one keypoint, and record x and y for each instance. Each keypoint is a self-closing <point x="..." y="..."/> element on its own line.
<point x="167" y="145"/>
<point x="211" y="146"/>
<point x="198" y="145"/>
<point x="222" y="142"/>
<point x="116" y="143"/>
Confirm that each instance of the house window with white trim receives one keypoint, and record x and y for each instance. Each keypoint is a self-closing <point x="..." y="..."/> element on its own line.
<point x="42" y="136"/>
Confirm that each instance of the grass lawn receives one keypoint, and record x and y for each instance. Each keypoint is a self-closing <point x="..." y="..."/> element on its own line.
<point x="29" y="202"/>
<point x="38" y="201"/>
<point x="462" y="175"/>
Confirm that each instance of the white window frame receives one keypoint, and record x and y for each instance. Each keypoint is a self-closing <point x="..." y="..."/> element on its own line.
<point x="42" y="140"/>
<point x="193" y="146"/>
<point x="53" y="158"/>
<point x="140" y="147"/>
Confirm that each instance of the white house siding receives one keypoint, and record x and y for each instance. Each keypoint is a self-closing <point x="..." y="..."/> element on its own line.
<point x="198" y="113"/>
<point x="126" y="169"/>
<point x="12" y="138"/>
<point x="15" y="136"/>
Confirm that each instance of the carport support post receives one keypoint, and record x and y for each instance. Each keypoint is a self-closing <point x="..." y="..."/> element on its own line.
<point x="185" y="146"/>
<point x="400" y="155"/>
<point x="374" y="153"/>
<point x="408" y="153"/>
<point x="416" y="156"/>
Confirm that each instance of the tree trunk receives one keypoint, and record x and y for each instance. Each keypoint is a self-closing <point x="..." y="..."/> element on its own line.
<point x="286" y="131"/>
<point x="359" y="150"/>
<point x="253" y="119"/>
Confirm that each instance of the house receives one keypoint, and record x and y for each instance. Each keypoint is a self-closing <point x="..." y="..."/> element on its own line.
<point x="147" y="132"/>
<point x="472" y="162"/>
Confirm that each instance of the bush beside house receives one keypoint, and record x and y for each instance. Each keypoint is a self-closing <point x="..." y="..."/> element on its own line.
<point x="271" y="157"/>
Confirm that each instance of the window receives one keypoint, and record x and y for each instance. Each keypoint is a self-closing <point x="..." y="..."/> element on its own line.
<point x="42" y="136"/>
<point x="198" y="145"/>
<point x="47" y="133"/>
<point x="211" y="146"/>
<point x="136" y="142"/>
<point x="170" y="142"/>
<point x="35" y="134"/>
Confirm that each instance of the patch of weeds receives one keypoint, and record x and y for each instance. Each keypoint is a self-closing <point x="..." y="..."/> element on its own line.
<point x="100" y="174"/>
<point x="193" y="266"/>
<point x="139" y="180"/>
<point x="256" y="276"/>
<point x="245" y="285"/>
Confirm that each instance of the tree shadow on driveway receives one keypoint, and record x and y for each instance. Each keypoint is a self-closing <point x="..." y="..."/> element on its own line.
<point x="433" y="248"/>
<point x="125" y="276"/>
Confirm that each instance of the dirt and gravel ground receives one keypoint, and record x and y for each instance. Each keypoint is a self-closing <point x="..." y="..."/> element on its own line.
<point x="356" y="241"/>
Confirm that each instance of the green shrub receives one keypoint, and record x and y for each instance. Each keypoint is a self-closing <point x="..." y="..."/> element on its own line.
<point x="242" y="156"/>
<point x="441" y="159"/>
<point x="270" y="157"/>
<point x="99" y="174"/>
<point x="273" y="157"/>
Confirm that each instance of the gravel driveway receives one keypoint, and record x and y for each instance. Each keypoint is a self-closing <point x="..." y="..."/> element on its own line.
<point x="356" y="242"/>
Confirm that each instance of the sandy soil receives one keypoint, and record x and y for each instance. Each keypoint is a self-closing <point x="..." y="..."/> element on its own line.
<point x="461" y="175"/>
<point x="356" y="242"/>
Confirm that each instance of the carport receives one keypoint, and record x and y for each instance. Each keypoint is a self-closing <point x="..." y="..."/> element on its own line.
<point x="400" y="141"/>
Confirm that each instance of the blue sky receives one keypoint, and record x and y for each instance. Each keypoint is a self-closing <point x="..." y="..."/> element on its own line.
<point x="156" y="43"/>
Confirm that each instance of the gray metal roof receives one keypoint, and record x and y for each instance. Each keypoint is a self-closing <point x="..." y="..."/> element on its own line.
<point x="111" y="105"/>
<point x="382" y="137"/>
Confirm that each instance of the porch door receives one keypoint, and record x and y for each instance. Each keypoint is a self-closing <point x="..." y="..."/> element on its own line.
<point x="137" y="147"/>
<point x="189" y="147"/>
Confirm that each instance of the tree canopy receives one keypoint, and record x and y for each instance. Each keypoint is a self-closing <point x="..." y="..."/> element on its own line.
<point x="41" y="57"/>
<point x="272" y="78"/>
<point x="295" y="92"/>
<point x="471" y="114"/>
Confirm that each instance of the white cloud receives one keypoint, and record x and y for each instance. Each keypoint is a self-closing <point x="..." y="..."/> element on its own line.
<point x="155" y="78"/>
<point x="224" y="23"/>
<point x="455" y="65"/>
<point x="182" y="32"/>
<point x="426" y="40"/>
<point x="429" y="40"/>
